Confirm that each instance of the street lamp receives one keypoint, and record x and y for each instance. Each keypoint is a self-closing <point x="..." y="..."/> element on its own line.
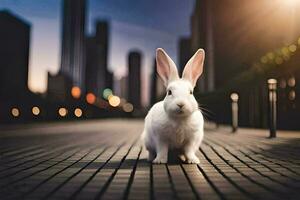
<point x="234" y="110"/>
<point x="272" y="86"/>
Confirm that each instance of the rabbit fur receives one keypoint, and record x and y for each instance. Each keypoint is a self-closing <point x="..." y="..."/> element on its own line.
<point x="176" y="122"/>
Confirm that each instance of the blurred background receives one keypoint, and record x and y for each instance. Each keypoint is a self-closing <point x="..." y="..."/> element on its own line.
<point x="85" y="59"/>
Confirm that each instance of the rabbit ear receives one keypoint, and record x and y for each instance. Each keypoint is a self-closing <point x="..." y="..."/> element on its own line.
<point x="166" y="68"/>
<point x="194" y="67"/>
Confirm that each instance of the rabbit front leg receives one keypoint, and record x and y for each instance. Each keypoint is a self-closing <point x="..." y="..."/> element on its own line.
<point x="190" y="153"/>
<point x="151" y="155"/>
<point x="161" y="153"/>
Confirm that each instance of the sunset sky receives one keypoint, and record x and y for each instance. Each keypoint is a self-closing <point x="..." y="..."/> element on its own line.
<point x="135" y="25"/>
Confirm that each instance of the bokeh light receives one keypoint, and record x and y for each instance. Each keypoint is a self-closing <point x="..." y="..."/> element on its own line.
<point x="292" y="48"/>
<point x="128" y="107"/>
<point x="292" y="95"/>
<point x="282" y="83"/>
<point x="109" y="96"/>
<point x="286" y="57"/>
<point x="78" y="112"/>
<point x="123" y="101"/>
<point x="106" y="93"/>
<point x="76" y="92"/>
<point x="285" y="51"/>
<point x="90" y="98"/>
<point x="15" y="112"/>
<point x="114" y="101"/>
<point x="62" y="112"/>
<point x="264" y="59"/>
<point x="35" y="110"/>
<point x="292" y="82"/>
<point x="278" y="60"/>
<point x="270" y="56"/>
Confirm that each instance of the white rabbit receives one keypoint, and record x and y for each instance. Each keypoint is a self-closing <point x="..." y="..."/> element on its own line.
<point x="176" y="122"/>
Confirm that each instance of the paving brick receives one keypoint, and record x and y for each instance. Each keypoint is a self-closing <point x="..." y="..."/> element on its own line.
<point x="104" y="160"/>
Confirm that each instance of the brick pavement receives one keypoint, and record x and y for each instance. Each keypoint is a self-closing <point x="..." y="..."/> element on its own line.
<point x="104" y="160"/>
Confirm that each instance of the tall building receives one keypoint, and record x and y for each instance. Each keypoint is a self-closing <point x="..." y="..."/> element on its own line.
<point x="59" y="87"/>
<point x="234" y="42"/>
<point x="134" y="78"/>
<point x="102" y="38"/>
<point x="202" y="37"/>
<point x="185" y="53"/>
<point x="97" y="76"/>
<point x="109" y="80"/>
<point x="72" y="60"/>
<point x="124" y="87"/>
<point x="14" y="54"/>
<point x="260" y="41"/>
<point x="153" y="93"/>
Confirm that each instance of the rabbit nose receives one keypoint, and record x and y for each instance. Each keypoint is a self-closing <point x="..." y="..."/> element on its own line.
<point x="180" y="105"/>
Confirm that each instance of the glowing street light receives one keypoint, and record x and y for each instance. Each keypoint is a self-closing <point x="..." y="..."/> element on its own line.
<point x="15" y="112"/>
<point x="90" y="98"/>
<point x="62" y="112"/>
<point x="106" y="93"/>
<point x="78" y="112"/>
<point x="76" y="92"/>
<point x="128" y="107"/>
<point x="35" y="110"/>
<point x="114" y="101"/>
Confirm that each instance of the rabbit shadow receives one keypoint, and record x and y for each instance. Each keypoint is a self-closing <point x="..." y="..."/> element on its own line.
<point x="127" y="163"/>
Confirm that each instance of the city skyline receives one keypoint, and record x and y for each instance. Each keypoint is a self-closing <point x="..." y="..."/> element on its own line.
<point x="274" y="55"/>
<point x="127" y="33"/>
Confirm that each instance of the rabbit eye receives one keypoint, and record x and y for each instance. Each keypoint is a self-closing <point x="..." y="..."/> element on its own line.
<point x="191" y="92"/>
<point x="169" y="92"/>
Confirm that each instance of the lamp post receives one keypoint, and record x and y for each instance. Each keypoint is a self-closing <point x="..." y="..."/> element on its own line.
<point x="272" y="86"/>
<point x="234" y="111"/>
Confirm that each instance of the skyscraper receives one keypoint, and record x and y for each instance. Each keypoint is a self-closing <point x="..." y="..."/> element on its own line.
<point x="109" y="80"/>
<point x="97" y="76"/>
<point x="233" y="43"/>
<point x="153" y="97"/>
<point x="184" y="53"/>
<point x="102" y="39"/>
<point x="72" y="60"/>
<point x="124" y="87"/>
<point x="134" y="78"/>
<point x="203" y="37"/>
<point x="14" y="55"/>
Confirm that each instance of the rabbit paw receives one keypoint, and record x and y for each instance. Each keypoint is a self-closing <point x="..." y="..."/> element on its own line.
<point x="158" y="160"/>
<point x="192" y="160"/>
<point x="151" y="156"/>
<point x="182" y="157"/>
